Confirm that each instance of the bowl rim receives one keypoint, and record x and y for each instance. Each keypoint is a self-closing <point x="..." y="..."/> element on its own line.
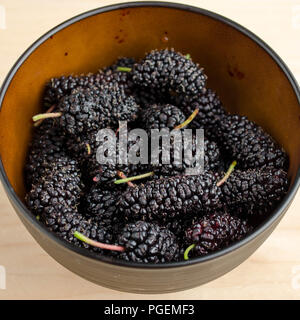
<point x="17" y="203"/>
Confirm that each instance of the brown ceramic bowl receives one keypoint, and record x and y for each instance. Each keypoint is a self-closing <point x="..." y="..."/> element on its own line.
<point x="250" y="78"/>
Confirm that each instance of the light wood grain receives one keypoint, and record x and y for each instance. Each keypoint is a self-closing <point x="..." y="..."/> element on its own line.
<point x="268" y="274"/>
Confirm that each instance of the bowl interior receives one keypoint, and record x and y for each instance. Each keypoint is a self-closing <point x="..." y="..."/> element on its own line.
<point x="245" y="76"/>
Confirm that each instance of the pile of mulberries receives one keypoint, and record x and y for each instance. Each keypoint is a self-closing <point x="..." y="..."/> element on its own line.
<point x="152" y="211"/>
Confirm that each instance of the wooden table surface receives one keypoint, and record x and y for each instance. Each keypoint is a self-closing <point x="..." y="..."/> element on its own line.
<point x="272" y="272"/>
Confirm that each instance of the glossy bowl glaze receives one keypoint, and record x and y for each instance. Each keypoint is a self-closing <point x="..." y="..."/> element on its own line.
<point x="249" y="77"/>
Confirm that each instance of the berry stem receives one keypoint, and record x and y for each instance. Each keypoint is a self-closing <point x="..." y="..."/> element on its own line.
<point x="186" y="252"/>
<point x="97" y="178"/>
<point x="97" y="244"/>
<point x="124" y="69"/>
<point x="188" y="120"/>
<point x="88" y="147"/>
<point x="120" y="127"/>
<point x="141" y="176"/>
<point x="188" y="56"/>
<point x="123" y="176"/>
<point x="43" y="116"/>
<point x="227" y="174"/>
<point x="36" y="124"/>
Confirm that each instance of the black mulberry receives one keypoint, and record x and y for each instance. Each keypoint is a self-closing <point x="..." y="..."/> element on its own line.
<point x="59" y="87"/>
<point x="64" y="221"/>
<point x="162" y="116"/>
<point x="148" y="243"/>
<point x="215" y="231"/>
<point x="57" y="185"/>
<point x="212" y="157"/>
<point x="211" y="111"/>
<point x="167" y="70"/>
<point x="249" y="144"/>
<point x="255" y="191"/>
<point x="47" y="146"/>
<point x="90" y="109"/>
<point x="102" y="203"/>
<point x="166" y="198"/>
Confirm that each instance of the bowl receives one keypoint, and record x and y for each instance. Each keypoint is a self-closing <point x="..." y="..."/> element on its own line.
<point x="248" y="75"/>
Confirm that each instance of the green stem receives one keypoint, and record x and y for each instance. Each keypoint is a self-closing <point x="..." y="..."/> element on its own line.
<point x="122" y="176"/>
<point x="41" y="116"/>
<point x="186" y="252"/>
<point x="88" y="147"/>
<point x="188" y="56"/>
<point x="37" y="123"/>
<point x="188" y="120"/>
<point x="227" y="174"/>
<point x="124" y="69"/>
<point x="141" y="176"/>
<point x="97" y="244"/>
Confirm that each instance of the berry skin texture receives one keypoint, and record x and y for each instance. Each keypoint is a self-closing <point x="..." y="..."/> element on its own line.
<point x="80" y="112"/>
<point x="84" y="149"/>
<point x="252" y="147"/>
<point x="166" y="198"/>
<point x="59" y="87"/>
<point x="211" y="111"/>
<point x="123" y="79"/>
<point x="102" y="203"/>
<point x="148" y="243"/>
<point x="162" y="116"/>
<point x="46" y="147"/>
<point x="146" y="97"/>
<point x="115" y="105"/>
<point x="90" y="109"/>
<point x="215" y="231"/>
<point x="64" y="221"/>
<point x="212" y="157"/>
<point x="254" y="191"/>
<point x="58" y="185"/>
<point x="167" y="70"/>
